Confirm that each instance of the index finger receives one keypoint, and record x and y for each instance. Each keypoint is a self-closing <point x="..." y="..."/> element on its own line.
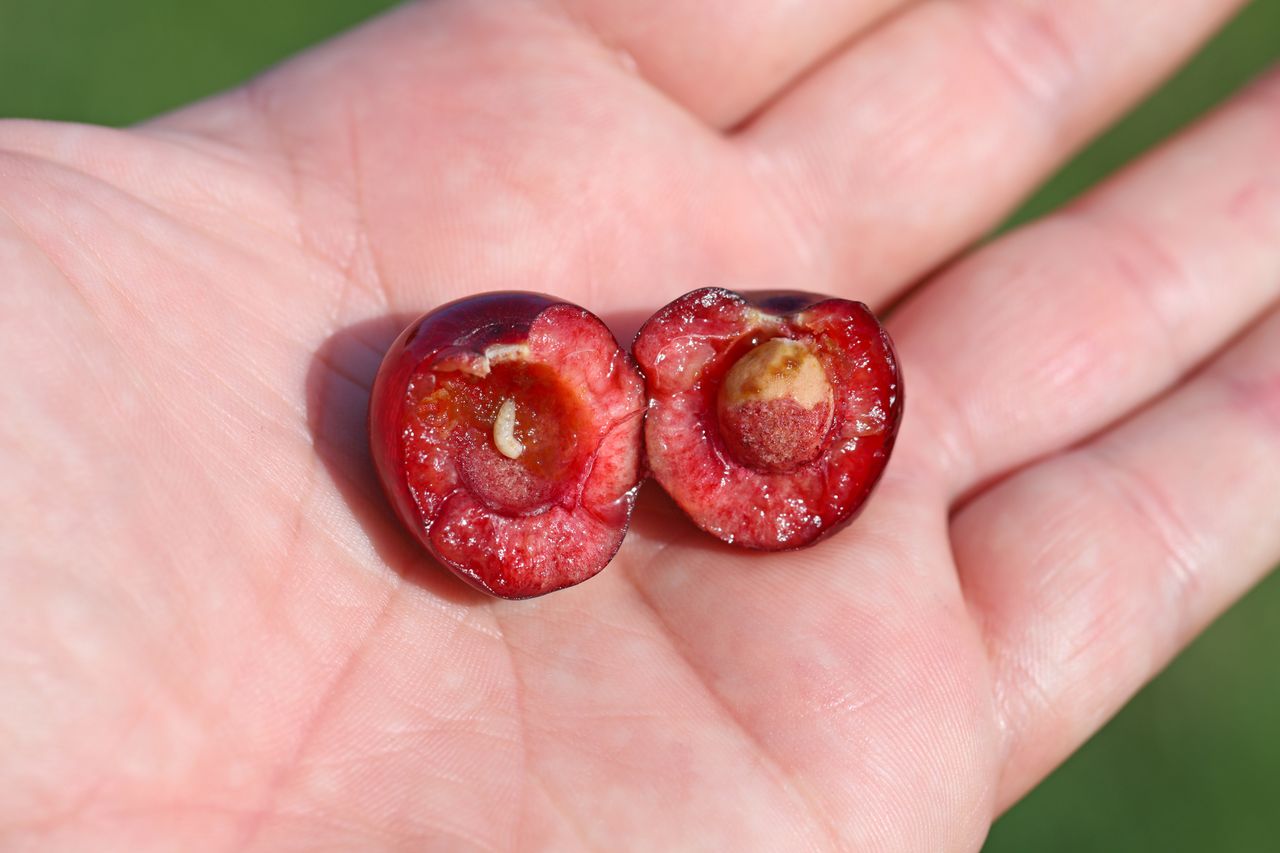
<point x="721" y="60"/>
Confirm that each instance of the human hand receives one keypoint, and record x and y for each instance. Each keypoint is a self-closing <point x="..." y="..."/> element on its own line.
<point x="214" y="636"/>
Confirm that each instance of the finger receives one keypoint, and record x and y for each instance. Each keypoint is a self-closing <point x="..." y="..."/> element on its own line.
<point x="718" y="61"/>
<point x="1140" y="538"/>
<point x="917" y="141"/>
<point x="456" y="147"/>
<point x="1055" y="331"/>
<point x="721" y="60"/>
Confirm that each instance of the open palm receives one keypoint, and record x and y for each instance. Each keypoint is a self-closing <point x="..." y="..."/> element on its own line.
<point x="214" y="637"/>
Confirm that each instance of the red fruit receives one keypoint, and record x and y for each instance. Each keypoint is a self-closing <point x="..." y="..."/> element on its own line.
<point x="771" y="416"/>
<point x="506" y="431"/>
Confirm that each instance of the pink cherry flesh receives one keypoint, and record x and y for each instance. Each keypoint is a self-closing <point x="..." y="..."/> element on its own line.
<point x="771" y="416"/>
<point x="506" y="430"/>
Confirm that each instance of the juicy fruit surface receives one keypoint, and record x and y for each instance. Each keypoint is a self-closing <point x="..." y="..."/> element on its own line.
<point x="775" y="469"/>
<point x="506" y="431"/>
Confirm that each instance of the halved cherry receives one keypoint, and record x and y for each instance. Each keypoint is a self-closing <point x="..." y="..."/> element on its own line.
<point x="771" y="416"/>
<point x="506" y="431"/>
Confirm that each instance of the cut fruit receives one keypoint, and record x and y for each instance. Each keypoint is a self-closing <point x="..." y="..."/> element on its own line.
<point x="506" y="430"/>
<point x="771" y="416"/>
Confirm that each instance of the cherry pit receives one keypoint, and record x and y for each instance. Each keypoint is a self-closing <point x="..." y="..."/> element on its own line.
<point x="511" y="432"/>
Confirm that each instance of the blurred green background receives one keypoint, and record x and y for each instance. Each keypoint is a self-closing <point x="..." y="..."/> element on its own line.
<point x="1193" y="764"/>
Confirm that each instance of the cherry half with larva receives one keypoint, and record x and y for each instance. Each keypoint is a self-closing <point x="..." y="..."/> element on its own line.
<point x="506" y="430"/>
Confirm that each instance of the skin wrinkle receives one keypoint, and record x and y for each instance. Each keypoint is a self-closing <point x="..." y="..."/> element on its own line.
<point x="1040" y="651"/>
<point x="1018" y="693"/>
<point x="363" y="241"/>
<point x="235" y="158"/>
<point x="1026" y="41"/>
<point x="443" y="822"/>
<point x="849" y="702"/>
<point x="792" y="792"/>
<point x="1144" y="266"/>
<point x="890" y="13"/>
<point x="529" y="774"/>
<point x="258" y="100"/>
<point x="121" y="294"/>
<point x="767" y="171"/>
<point x="270" y="605"/>
<point x="286" y="772"/>
<point x="35" y="243"/>
<point x="32" y="242"/>
<point x="792" y="52"/>
<point x="144" y="388"/>
<point x="1259" y="399"/>
<point x="344" y="269"/>
<point x="114" y="190"/>
<point x="611" y="51"/>
<point x="149" y="816"/>
<point x="101" y="262"/>
<point x="1173" y="535"/>
<point x="953" y="441"/>
<point x="84" y="798"/>
<point x="425" y="731"/>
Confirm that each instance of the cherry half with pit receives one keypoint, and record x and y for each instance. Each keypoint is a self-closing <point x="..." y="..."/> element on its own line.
<point x="771" y="415"/>
<point x="510" y="430"/>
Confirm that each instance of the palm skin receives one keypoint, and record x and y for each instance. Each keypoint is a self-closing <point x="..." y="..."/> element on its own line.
<point x="218" y="639"/>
